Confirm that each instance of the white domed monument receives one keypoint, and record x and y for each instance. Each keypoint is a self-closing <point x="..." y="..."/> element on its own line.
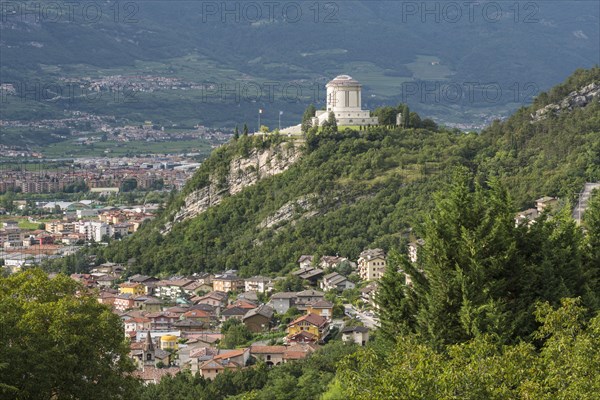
<point x="344" y="99"/>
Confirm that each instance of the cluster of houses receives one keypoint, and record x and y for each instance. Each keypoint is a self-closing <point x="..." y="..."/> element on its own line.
<point x="87" y="224"/>
<point x="174" y="324"/>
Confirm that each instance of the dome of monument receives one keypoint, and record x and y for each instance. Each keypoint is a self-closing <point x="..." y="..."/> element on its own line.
<point x="343" y="80"/>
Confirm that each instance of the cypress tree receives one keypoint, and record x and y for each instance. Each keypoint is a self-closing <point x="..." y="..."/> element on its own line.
<point x="405" y="116"/>
<point x="332" y="122"/>
<point x="309" y="113"/>
<point x="466" y="265"/>
<point x="394" y="314"/>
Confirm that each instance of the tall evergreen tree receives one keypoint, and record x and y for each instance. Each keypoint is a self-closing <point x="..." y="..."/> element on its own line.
<point x="391" y="299"/>
<point x="309" y="113"/>
<point x="332" y="122"/>
<point x="245" y="131"/>
<point x="466" y="264"/>
<point x="405" y="115"/>
<point x="592" y="250"/>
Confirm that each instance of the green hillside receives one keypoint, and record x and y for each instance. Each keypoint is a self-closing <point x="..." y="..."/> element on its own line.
<point x="366" y="188"/>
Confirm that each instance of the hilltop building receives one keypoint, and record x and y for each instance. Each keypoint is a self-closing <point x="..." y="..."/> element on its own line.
<point x="344" y="99"/>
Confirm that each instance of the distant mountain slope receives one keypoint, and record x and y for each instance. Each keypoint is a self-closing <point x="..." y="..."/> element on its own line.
<point x="383" y="44"/>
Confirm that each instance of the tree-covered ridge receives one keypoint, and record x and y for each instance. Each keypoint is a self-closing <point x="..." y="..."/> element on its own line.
<point x="362" y="188"/>
<point x="554" y="156"/>
<point x="355" y="189"/>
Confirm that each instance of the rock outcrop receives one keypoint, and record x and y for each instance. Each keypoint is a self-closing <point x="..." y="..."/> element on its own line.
<point x="304" y="207"/>
<point x="576" y="99"/>
<point x="243" y="172"/>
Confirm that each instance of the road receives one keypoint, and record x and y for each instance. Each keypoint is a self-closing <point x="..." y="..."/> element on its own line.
<point x="370" y="322"/>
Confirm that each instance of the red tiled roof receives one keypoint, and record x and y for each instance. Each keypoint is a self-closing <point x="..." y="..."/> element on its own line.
<point x="230" y="354"/>
<point x="267" y="349"/>
<point x="312" y="319"/>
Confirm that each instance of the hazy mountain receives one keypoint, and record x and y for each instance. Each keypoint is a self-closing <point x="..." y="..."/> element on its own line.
<point x="453" y="62"/>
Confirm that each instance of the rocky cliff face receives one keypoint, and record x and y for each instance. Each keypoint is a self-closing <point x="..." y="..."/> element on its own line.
<point x="578" y="98"/>
<point x="243" y="172"/>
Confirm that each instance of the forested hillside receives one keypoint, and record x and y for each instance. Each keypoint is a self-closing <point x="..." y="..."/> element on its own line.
<point x="355" y="189"/>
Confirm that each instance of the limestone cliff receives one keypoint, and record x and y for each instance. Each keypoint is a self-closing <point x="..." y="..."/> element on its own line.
<point x="243" y="172"/>
<point x="575" y="99"/>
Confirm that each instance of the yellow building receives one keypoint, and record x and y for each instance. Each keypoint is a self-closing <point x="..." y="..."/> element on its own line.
<point x="168" y="342"/>
<point x="136" y="289"/>
<point x="309" y="323"/>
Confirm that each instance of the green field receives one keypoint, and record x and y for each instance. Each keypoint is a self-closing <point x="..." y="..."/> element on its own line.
<point x="429" y="68"/>
<point x="71" y="148"/>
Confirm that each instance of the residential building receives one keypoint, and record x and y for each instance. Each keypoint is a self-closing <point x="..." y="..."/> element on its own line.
<point x="322" y="308"/>
<point x="214" y="298"/>
<point x="307" y="297"/>
<point x="336" y="281"/>
<point x="136" y="289"/>
<point x="197" y="315"/>
<point x="258" y="284"/>
<point x="228" y="359"/>
<point x="367" y="294"/>
<point x="310" y="274"/>
<point x="315" y="325"/>
<point x="197" y="356"/>
<point x="328" y="262"/>
<point x="162" y="321"/>
<point x="171" y="289"/>
<point x="233" y="312"/>
<point x="258" y="319"/>
<point x="228" y="283"/>
<point x="413" y="249"/>
<point x="211" y="368"/>
<point x="305" y="261"/>
<point x="371" y="264"/>
<point x="124" y="302"/>
<point x="356" y="334"/>
<point x="546" y="203"/>
<point x="271" y="355"/>
<point x="526" y="217"/>
<point x="283" y="301"/>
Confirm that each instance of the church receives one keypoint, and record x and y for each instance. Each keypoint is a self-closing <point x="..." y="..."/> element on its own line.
<point x="344" y="99"/>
